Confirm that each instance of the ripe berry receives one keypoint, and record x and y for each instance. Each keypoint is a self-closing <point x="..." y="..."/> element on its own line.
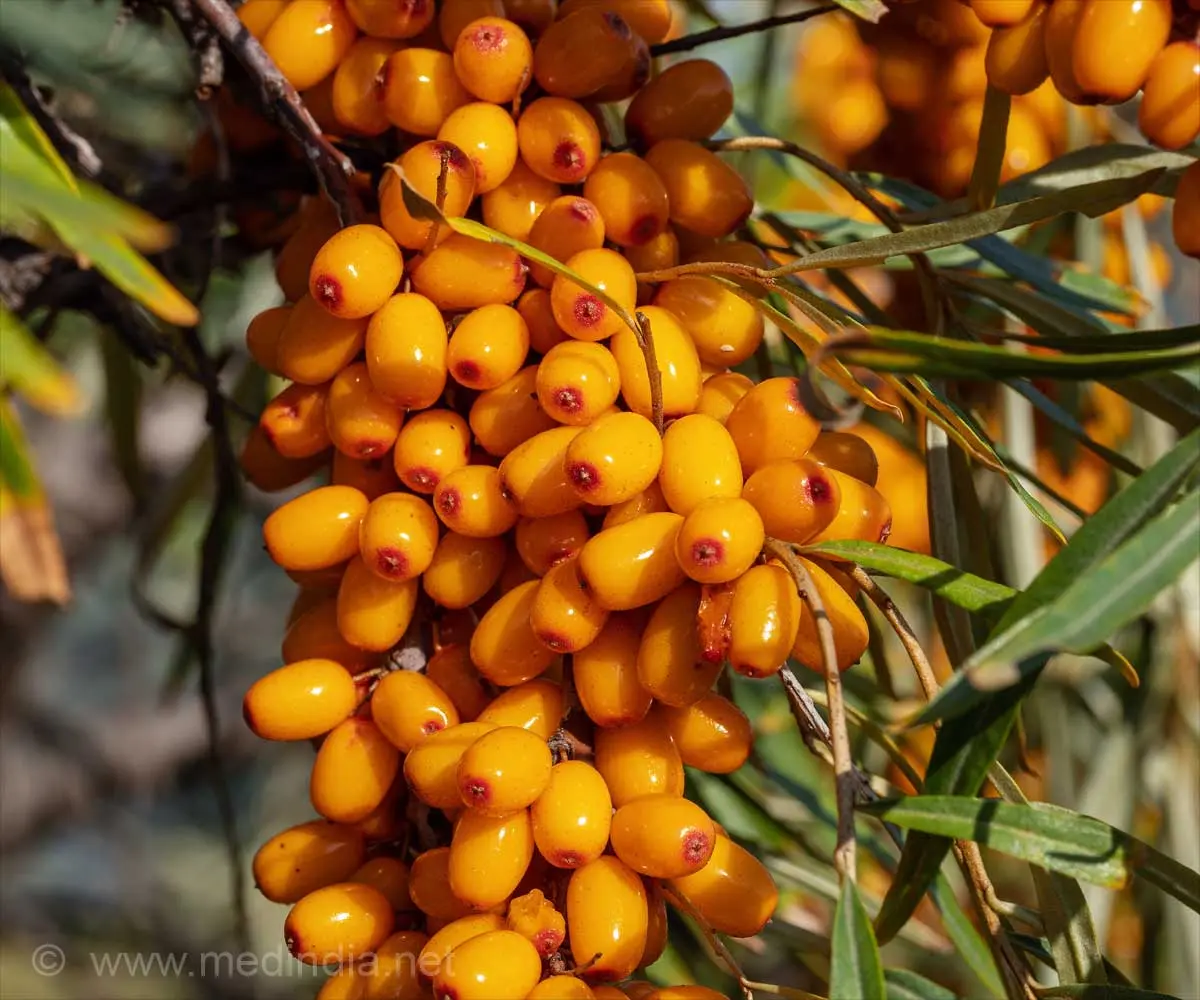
<point x="607" y="918"/>
<point x="690" y="100"/>
<point x="564" y="616"/>
<point x="307" y="857"/>
<point x="463" y="569"/>
<point x="637" y="760"/>
<point x="605" y="673"/>
<point x="577" y="310"/>
<point x="796" y="498"/>
<point x="1062" y="21"/>
<point x="394" y="972"/>
<point x="423" y="166"/>
<point x="421" y="89"/>
<point x="262" y="337"/>
<point x="720" y="394"/>
<point x="470" y="501"/>
<point x="489" y="856"/>
<point x="544" y="542"/>
<point x="429" y="886"/>
<point x="355" y="272"/>
<point x="1001" y="13"/>
<point x="862" y="512"/>
<point x="535" y="705"/>
<point x="338" y="924"/>
<point x="678" y="365"/>
<point x="317" y="529"/>
<point x="1016" y="55"/>
<point x="406" y="351"/>
<point x="429" y="447"/>
<point x="534" y="917"/>
<point x="663" y="836"/>
<point x="488" y="347"/>
<point x="572" y="816"/>
<point x="707" y="196"/>
<point x="398" y="536"/>
<point x="734" y="892"/>
<point x="453" y="934"/>
<point x="361" y="422"/>
<point x="308" y="39"/>
<point x="431" y="767"/>
<point x="314" y="635"/>
<point x="544" y="332"/>
<point x="632" y="564"/>
<point x="770" y="423"/>
<point x="719" y="540"/>
<point x="504" y="647"/>
<point x="386" y="822"/>
<point x="725" y="328"/>
<point x="565" y="227"/>
<point x="700" y="462"/>
<point x="352" y="772"/>
<point x="408" y="707"/>
<point x="464" y="273"/>
<point x="577" y="381"/>
<point x="562" y="987"/>
<point x="711" y="734"/>
<point x="1169" y="115"/>
<point x="683" y="993"/>
<point x="764" y="618"/>
<point x="648" y="501"/>
<point x="513" y="206"/>
<point x="389" y="19"/>
<point x="315" y="345"/>
<point x="389" y="876"/>
<point x="558" y="140"/>
<point x="269" y="471"/>
<point x="535" y="16"/>
<point x="374" y="613"/>
<point x="457" y="14"/>
<point x="258" y="15"/>
<point x="504" y="771"/>
<point x="503" y="417"/>
<point x="370" y="476"/>
<point x="582" y="51"/>
<point x="614" y="459"/>
<point x="300" y="701"/>
<point x="497" y="965"/>
<point x="493" y="59"/>
<point x="630" y="198"/>
<point x="850" y="631"/>
<point x="533" y="477"/>
<point x="488" y="135"/>
<point x="671" y="663"/>
<point x="1115" y="44"/>
<point x="650" y="19"/>
<point x="847" y="453"/>
<point x="1185" y="216"/>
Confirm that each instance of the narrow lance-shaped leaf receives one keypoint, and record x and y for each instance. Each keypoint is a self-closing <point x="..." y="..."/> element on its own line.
<point x="856" y="969"/>
<point x="32" y="371"/>
<point x="23" y="128"/>
<point x="989" y="153"/>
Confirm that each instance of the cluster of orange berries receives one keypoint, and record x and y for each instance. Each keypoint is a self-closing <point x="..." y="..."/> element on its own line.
<point x="503" y="813"/>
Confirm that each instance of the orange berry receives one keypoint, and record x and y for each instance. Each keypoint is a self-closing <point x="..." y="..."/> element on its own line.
<point x="770" y="423"/>
<point x="389" y="876"/>
<point x="700" y="462"/>
<point x="489" y="856"/>
<point x="862" y="512"/>
<point x="681" y="993"/>
<point x="394" y="972"/>
<point x="650" y="19"/>
<point x="493" y="59"/>
<point x="1169" y="115"/>
<point x="344" y="983"/>
<point x="577" y="381"/>
<point x="562" y="987"/>
<point x="637" y="760"/>
<point x="398" y="536"/>
<point x="535" y="705"/>
<point x="423" y="165"/>
<point x="372" y="612"/>
<point x="315" y="345"/>
<point x="421" y="89"/>
<point x="457" y="14"/>
<point x="294" y="421"/>
<point x="706" y="195"/>
<point x="488" y="347"/>
<point x="338" y="924"/>
<point x="451" y="669"/>
<point x="327" y="579"/>
<point x="504" y="771"/>
<point x="847" y="453"/>
<point x="504" y="647"/>
<point x="614" y="459"/>
<point x="607" y="918"/>
<point x="470" y="501"/>
<point x="543" y="542"/>
<point x="535" y="16"/>
<point x="370" y="476"/>
<point x="389" y="19"/>
<point x="513" y="206"/>
<point x="577" y="310"/>
<point x="656" y="254"/>
<point x="497" y="965"/>
<point x="1115" y="44"/>
<point x="358" y="86"/>
<point x="572" y="816"/>
<point x="719" y="540"/>
<point x="262" y="337"/>
<point x="1185" y="216"/>
<point x="734" y="892"/>
<point x="534" y="917"/>
<point x="504" y="417"/>
<point x="314" y="635"/>
<point x="633" y="564"/>
<point x="605" y="673"/>
<point x="764" y="618"/>
<point x="463" y="569"/>
<point x="406" y="351"/>
<point x="663" y="836"/>
<point x="431" y="767"/>
<point x="1062" y="21"/>
<point x="690" y="100"/>
<point x="720" y="394"/>
<point x="386" y="822"/>
<point x="544" y="332"/>
<point x="318" y="221"/>
<point x="565" y="227"/>
<point x="308" y="39"/>
<point x="455" y="933"/>
<point x="564" y="616"/>
<point x="259" y="15"/>
<point x="429" y="885"/>
<point x="429" y="447"/>
<point x="671" y="664"/>
<point x="678" y="365"/>
<point x="361" y="422"/>
<point x="488" y="135"/>
<point x="630" y="198"/>
<point x="464" y="273"/>
<point x="711" y="734"/>
<point x="582" y="51"/>
<point x="533" y="478"/>
<point x="1001" y="13"/>
<point x="725" y="328"/>
<point x="300" y="701"/>
<point x="408" y="707"/>
<point x="648" y="501"/>
<point x="353" y="772"/>
<point x="1016" y="55"/>
<point x="850" y="630"/>
<point x="796" y="498"/>
<point x="317" y="529"/>
<point x="307" y="857"/>
<point x="267" y="470"/>
<point x="558" y="140"/>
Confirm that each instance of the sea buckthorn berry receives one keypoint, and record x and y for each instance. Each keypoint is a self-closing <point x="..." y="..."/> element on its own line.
<point x="656" y="254"/>
<point x="577" y="381"/>
<point x="582" y="51"/>
<point x="1115" y="44"/>
<point x="700" y="462"/>
<point x="457" y="14"/>
<point x="535" y="705"/>
<point x="796" y="498"/>
<point x="314" y="635"/>
<point x="712" y="734"/>
<point x="328" y="578"/>
<point x="770" y="423"/>
<point x="671" y="664"/>
<point x="663" y="836"/>
<point x="488" y="347"/>
<point x="504" y="647"/>
<point x="431" y="767"/>
<point x="706" y="194"/>
<point x="535" y="16"/>
<point x="391" y="18"/>
<point x="307" y="857"/>
<point x="258" y="15"/>
<point x="262" y="337"/>
<point x="607" y="918"/>
<point x="862" y="512"/>
<point x="493" y="59"/>
<point x="429" y="886"/>
<point x="355" y="272"/>
<point x="683" y="993"/>
<point x="318" y="221"/>
<point x="389" y="876"/>
<point x="1001" y="13"/>
<point x="648" y="501"/>
<point x="267" y="470"/>
<point x="406" y="351"/>
<point x="361" y="422"/>
<point x="734" y="892"/>
<point x="534" y="917"/>
<point x="543" y="542"/>
<point x="544" y="332"/>
<point x="463" y="569"/>
<point x="300" y="701"/>
<point x="464" y="273"/>
<point x="690" y="100"/>
<point x="629" y="78"/>
<point x="564" y="616"/>
<point x="1062" y="20"/>
<point x="398" y="536"/>
<point x="630" y="198"/>
<point x="720" y="394"/>
<point x="614" y="459"/>
<point x="632" y="564"/>
<point x="455" y="933"/>
<point x="606" y="675"/>
<point x="489" y="856"/>
<point x="387" y="822"/>
<point x="344" y="983"/>
<point x="850" y="631"/>
<point x="533" y="478"/>
<point x="558" y="140"/>
<point x="373" y="613"/>
<point x="423" y="165"/>
<point x="504" y="771"/>
<point x="394" y="972"/>
<point x="315" y="345"/>
<point x="725" y="328"/>
<point x="513" y="206"/>
<point x="764" y="618"/>
<point x="469" y="501"/>
<point x="504" y="417"/>
<point x="308" y="39"/>
<point x="317" y="529"/>
<point x="573" y="815"/>
<point x="372" y="477"/>
<point x="1185" y="217"/>
<point x="338" y="924"/>
<point x="639" y="989"/>
<point x="451" y="669"/>
<point x="421" y="89"/>
<point x="497" y="965"/>
<point x="1169" y="115"/>
<point x="431" y="446"/>
<point x="578" y="310"/>
<point x="719" y="540"/>
<point x="352" y="772"/>
<point x="847" y="453"/>
<point x="488" y="135"/>
<point x="565" y="227"/>
<point x="678" y="365"/>
<point x="408" y="707"/>
<point x="637" y="760"/>
<point x="1016" y="55"/>
<point x="562" y="987"/>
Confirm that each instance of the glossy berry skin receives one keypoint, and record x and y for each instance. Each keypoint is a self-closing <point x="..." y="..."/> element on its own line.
<point x="1001" y="13"/>
<point x="422" y="165"/>
<point x="470" y="501"/>
<point x="262" y="337"/>
<point x="488" y="135"/>
<point x="1169" y="115"/>
<point x="503" y="771"/>
<point x="493" y="59"/>
<point x="561" y="988"/>
<point x="770" y="423"/>
<point x="656" y="254"/>
<point x="421" y="90"/>
<point x="847" y="453"/>
<point x="573" y="815"/>
<point x="373" y="613"/>
<point x="315" y="345"/>
<point x="700" y="462"/>
<point x="607" y="918"/>
<point x="463" y="569"/>
<point x="317" y="529"/>
<point x="440" y="944"/>
<point x="1115" y="45"/>
<point x="734" y="892"/>
<point x="408" y="707"/>
<point x="690" y="100"/>
<point x="720" y="394"/>
<point x="497" y="965"/>
<point x="388" y="19"/>
<point x="637" y="760"/>
<point x="533" y="477"/>
<point x="259" y="15"/>
<point x="796" y="498"/>
<point x="372" y="477"/>
<point x="386" y="822"/>
<point x="633" y="564"/>
<point x="429" y="447"/>
<point x="663" y="836"/>
<point x="719" y="540"/>
<point x="1016" y="55"/>
<point x="565" y="227"/>
<point x="429" y="886"/>
<point x="614" y="459"/>
<point x="671" y="663"/>
<point x="504" y="647"/>
<point x="488" y="347"/>
<point x="314" y="635"/>
<point x="464" y="273"/>
<point x="398" y="536"/>
<point x="577" y="381"/>
<point x="683" y="993"/>
<point x="534" y="917"/>
<point x="338" y="924"/>
<point x="725" y="328"/>
<point x="711" y="734"/>
<point x="606" y="675"/>
<point x="707" y="196"/>
<point x="630" y="197"/>
<point x="544" y="332"/>
<point x="355" y="272"/>
<point x="406" y="351"/>
<point x="1185" y="217"/>
<point x="269" y="471"/>
<point x="352" y="772"/>
<point x="558" y="140"/>
<point x="577" y="310"/>
<point x="544" y="542"/>
<point x="489" y="856"/>
<point x="394" y="972"/>
<point x="764" y="618"/>
<point x="515" y="204"/>
<point x="581" y="52"/>
<point x="344" y="983"/>
<point x="307" y="857"/>
<point x="535" y="705"/>
<point x="1062" y="22"/>
<point x="648" y="501"/>
<point x="564" y="616"/>
<point x="504" y="417"/>
<point x="431" y="767"/>
<point x="300" y="701"/>
<point x="361" y="422"/>
<point x="678" y="365"/>
<point x="850" y="631"/>
<point x="862" y="512"/>
<point x="308" y="39"/>
<point x="388" y="875"/>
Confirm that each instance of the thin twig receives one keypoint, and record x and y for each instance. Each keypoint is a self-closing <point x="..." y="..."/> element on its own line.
<point x="645" y="340"/>
<point x="65" y="138"/>
<point x="685" y="905"/>
<point x="904" y="631"/>
<point x="725" y="32"/>
<point x="206" y="49"/>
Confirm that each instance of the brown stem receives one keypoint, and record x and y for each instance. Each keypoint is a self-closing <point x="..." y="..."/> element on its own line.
<point x="720" y="34"/>
<point x="645" y="339"/>
<point x="684" y="905"/>
<point x="904" y="631"/>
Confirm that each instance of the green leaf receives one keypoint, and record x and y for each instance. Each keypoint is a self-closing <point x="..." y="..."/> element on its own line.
<point x="23" y="128"/>
<point x="901" y="984"/>
<point x="856" y="969"/>
<point x="867" y="10"/>
<point x="17" y="473"/>
<point x="989" y="155"/>
<point x="32" y="371"/>
<point x="1101" y="991"/>
<point x="968" y="943"/>
<point x="1097" y="164"/>
<point x="1167" y="396"/>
